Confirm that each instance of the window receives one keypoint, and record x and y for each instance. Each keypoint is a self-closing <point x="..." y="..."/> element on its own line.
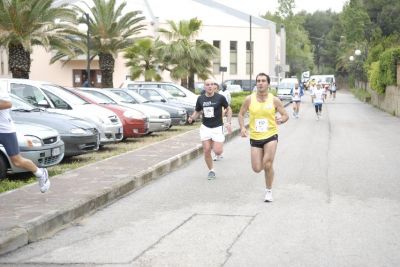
<point x="29" y="93"/>
<point x="217" y="59"/>
<point x="233" y="57"/>
<point x="249" y="60"/>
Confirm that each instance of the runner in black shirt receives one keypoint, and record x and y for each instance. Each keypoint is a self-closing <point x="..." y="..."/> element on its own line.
<point x="212" y="136"/>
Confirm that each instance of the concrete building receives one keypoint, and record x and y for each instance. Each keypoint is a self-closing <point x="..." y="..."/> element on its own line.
<point x="232" y="31"/>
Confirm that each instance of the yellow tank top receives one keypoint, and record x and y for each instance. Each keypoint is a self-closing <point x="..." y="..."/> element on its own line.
<point x="262" y="118"/>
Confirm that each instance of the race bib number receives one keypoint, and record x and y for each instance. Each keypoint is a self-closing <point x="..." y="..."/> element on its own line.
<point x="261" y="125"/>
<point x="208" y="112"/>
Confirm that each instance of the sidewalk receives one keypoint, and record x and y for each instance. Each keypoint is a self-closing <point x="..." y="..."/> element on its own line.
<point x="26" y="215"/>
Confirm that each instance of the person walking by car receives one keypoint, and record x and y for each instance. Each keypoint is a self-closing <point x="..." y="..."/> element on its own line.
<point x="8" y="138"/>
<point x="318" y="96"/>
<point x="262" y="106"/>
<point x="296" y="92"/>
<point x="212" y="136"/>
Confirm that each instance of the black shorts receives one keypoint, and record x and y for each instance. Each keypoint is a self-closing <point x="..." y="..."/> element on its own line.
<point x="10" y="143"/>
<point x="262" y="142"/>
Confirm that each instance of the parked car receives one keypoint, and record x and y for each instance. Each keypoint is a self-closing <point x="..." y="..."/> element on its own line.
<point x="174" y="89"/>
<point x="135" y="123"/>
<point x="41" y="144"/>
<point x="285" y="87"/>
<point x="244" y="84"/>
<point x="55" y="99"/>
<point x="79" y="136"/>
<point x="178" y="115"/>
<point x="159" y="120"/>
<point x="161" y="95"/>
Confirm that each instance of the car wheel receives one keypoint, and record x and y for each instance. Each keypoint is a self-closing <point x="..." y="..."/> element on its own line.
<point x="3" y="167"/>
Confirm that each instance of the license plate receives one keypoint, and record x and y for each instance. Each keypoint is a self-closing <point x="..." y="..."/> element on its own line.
<point x="56" y="151"/>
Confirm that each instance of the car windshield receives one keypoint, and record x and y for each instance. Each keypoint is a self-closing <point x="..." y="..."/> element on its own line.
<point x="137" y="97"/>
<point x="18" y="103"/>
<point x="97" y="99"/>
<point x="129" y="97"/>
<point x="285" y="85"/>
<point x="165" y="94"/>
<point x="64" y="94"/>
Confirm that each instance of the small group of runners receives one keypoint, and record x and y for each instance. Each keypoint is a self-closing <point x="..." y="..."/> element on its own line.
<point x="263" y="131"/>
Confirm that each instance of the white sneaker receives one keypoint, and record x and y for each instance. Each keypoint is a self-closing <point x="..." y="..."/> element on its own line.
<point x="211" y="175"/>
<point x="217" y="158"/>
<point x="268" y="195"/>
<point x="44" y="182"/>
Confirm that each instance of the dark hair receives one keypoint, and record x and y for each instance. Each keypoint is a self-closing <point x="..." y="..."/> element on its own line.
<point x="263" y="74"/>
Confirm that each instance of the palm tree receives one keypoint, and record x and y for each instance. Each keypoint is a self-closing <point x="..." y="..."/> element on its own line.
<point x="110" y="32"/>
<point x="184" y="54"/>
<point x="26" y="23"/>
<point x="143" y="59"/>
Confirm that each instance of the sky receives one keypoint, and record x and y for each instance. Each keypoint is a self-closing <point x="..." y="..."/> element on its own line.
<point x="260" y="7"/>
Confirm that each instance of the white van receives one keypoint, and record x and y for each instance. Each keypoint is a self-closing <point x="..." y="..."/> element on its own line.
<point x="174" y="89"/>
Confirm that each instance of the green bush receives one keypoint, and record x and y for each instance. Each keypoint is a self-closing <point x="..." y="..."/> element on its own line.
<point x="383" y="72"/>
<point x="237" y="100"/>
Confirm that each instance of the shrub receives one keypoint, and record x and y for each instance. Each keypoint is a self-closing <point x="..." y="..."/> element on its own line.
<point x="383" y="72"/>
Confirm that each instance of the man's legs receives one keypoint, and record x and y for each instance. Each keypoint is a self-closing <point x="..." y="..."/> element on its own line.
<point x="268" y="160"/>
<point x="23" y="163"/>
<point x="27" y="164"/>
<point x="207" y="147"/>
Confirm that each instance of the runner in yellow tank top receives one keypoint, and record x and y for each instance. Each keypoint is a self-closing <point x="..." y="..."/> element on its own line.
<point x="262" y="107"/>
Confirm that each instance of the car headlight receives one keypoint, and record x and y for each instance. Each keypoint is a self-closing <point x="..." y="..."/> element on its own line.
<point x="165" y="116"/>
<point x="31" y="141"/>
<point x="182" y="112"/>
<point x="78" y="131"/>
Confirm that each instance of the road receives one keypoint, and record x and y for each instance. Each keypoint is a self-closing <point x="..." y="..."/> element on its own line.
<point x="337" y="193"/>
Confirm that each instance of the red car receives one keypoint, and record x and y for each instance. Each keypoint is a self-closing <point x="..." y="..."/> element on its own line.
<point x="135" y="123"/>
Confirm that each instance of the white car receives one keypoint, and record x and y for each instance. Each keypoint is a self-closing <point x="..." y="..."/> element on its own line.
<point x="39" y="143"/>
<point x="54" y="99"/>
<point x="174" y="89"/>
<point x="159" y="119"/>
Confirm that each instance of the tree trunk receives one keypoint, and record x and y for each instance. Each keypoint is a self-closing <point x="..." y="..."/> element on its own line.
<point x="184" y="82"/>
<point x="106" y="63"/>
<point x="19" y="61"/>
<point x="191" y="82"/>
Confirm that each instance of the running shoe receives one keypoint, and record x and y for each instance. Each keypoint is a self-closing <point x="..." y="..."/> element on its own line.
<point x="268" y="195"/>
<point x="44" y="182"/>
<point x="211" y="175"/>
<point x="217" y="158"/>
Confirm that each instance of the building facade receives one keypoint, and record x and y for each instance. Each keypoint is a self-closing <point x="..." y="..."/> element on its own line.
<point x="247" y="44"/>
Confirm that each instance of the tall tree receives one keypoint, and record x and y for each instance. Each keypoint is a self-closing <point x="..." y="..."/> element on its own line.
<point x="143" y="59"/>
<point x="298" y="48"/>
<point x="111" y="31"/>
<point x="184" y="55"/>
<point x="27" y="23"/>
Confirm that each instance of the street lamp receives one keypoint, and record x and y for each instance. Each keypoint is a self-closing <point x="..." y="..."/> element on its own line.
<point x="85" y="27"/>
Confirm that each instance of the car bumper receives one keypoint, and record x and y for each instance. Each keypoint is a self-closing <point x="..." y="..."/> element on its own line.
<point x="42" y="158"/>
<point x="181" y="120"/>
<point x="77" y="145"/>
<point x="158" y="125"/>
<point x="111" y="134"/>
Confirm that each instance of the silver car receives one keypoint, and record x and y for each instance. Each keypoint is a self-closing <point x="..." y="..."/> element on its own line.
<point x="159" y="120"/>
<point x="55" y="99"/>
<point x="41" y="144"/>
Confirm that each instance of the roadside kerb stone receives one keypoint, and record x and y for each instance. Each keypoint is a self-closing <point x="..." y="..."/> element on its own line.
<point x="22" y="221"/>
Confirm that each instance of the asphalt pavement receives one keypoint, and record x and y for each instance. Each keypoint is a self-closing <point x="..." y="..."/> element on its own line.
<point x="26" y="215"/>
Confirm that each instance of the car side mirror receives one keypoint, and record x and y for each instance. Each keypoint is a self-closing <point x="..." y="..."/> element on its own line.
<point x="43" y="103"/>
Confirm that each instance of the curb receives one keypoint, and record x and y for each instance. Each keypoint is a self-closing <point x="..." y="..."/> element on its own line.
<point x="47" y="224"/>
